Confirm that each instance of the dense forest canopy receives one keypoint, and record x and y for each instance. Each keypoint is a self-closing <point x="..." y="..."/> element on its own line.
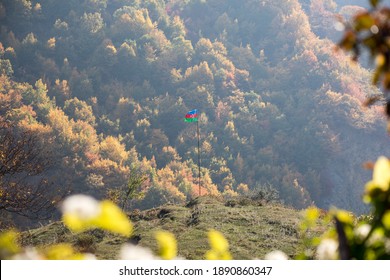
<point x="107" y="84"/>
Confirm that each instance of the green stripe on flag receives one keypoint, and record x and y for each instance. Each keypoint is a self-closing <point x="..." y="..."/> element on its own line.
<point x="191" y="120"/>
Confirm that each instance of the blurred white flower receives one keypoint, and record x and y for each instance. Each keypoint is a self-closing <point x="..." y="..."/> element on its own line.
<point x="328" y="250"/>
<point x="387" y="245"/>
<point x="89" y="257"/>
<point x="82" y="206"/>
<point x="362" y="231"/>
<point x="339" y="26"/>
<point x="276" y="255"/>
<point x="374" y="29"/>
<point x="132" y="252"/>
<point x="28" y="254"/>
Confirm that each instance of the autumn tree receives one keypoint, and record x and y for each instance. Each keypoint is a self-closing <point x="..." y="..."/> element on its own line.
<point x="5" y="64"/>
<point x="79" y="110"/>
<point x="25" y="188"/>
<point x="134" y="189"/>
<point x="369" y="30"/>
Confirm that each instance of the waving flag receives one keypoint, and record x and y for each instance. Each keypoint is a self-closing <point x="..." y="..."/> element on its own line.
<point x="191" y="116"/>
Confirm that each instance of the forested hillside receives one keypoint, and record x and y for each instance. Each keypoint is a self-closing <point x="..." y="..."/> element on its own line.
<point x="103" y="86"/>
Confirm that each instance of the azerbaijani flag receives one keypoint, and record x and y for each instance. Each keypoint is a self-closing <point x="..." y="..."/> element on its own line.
<point x="191" y="116"/>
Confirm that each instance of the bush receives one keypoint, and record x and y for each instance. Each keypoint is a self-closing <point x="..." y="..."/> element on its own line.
<point x="265" y="193"/>
<point x="85" y="243"/>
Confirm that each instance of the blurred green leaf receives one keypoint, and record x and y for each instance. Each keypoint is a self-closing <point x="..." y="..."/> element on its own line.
<point x="386" y="80"/>
<point x="386" y="220"/>
<point x="364" y="21"/>
<point x="376" y="76"/>
<point x="374" y="3"/>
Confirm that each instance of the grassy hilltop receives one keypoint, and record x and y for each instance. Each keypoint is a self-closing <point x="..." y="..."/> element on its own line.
<point x="252" y="228"/>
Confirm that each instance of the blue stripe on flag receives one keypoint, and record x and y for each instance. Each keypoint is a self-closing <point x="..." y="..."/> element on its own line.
<point x="193" y="112"/>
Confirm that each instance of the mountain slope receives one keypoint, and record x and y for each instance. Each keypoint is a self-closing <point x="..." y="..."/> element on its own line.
<point x="107" y="84"/>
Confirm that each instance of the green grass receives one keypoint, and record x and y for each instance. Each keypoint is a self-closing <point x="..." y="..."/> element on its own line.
<point x="252" y="229"/>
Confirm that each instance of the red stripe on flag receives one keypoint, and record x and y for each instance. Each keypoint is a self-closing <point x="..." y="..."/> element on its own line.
<point x="188" y="116"/>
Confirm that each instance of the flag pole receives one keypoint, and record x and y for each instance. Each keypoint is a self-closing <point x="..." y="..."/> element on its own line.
<point x="192" y="116"/>
<point x="197" y="126"/>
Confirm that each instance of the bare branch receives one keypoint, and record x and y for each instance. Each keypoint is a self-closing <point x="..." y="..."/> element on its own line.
<point x="24" y="188"/>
